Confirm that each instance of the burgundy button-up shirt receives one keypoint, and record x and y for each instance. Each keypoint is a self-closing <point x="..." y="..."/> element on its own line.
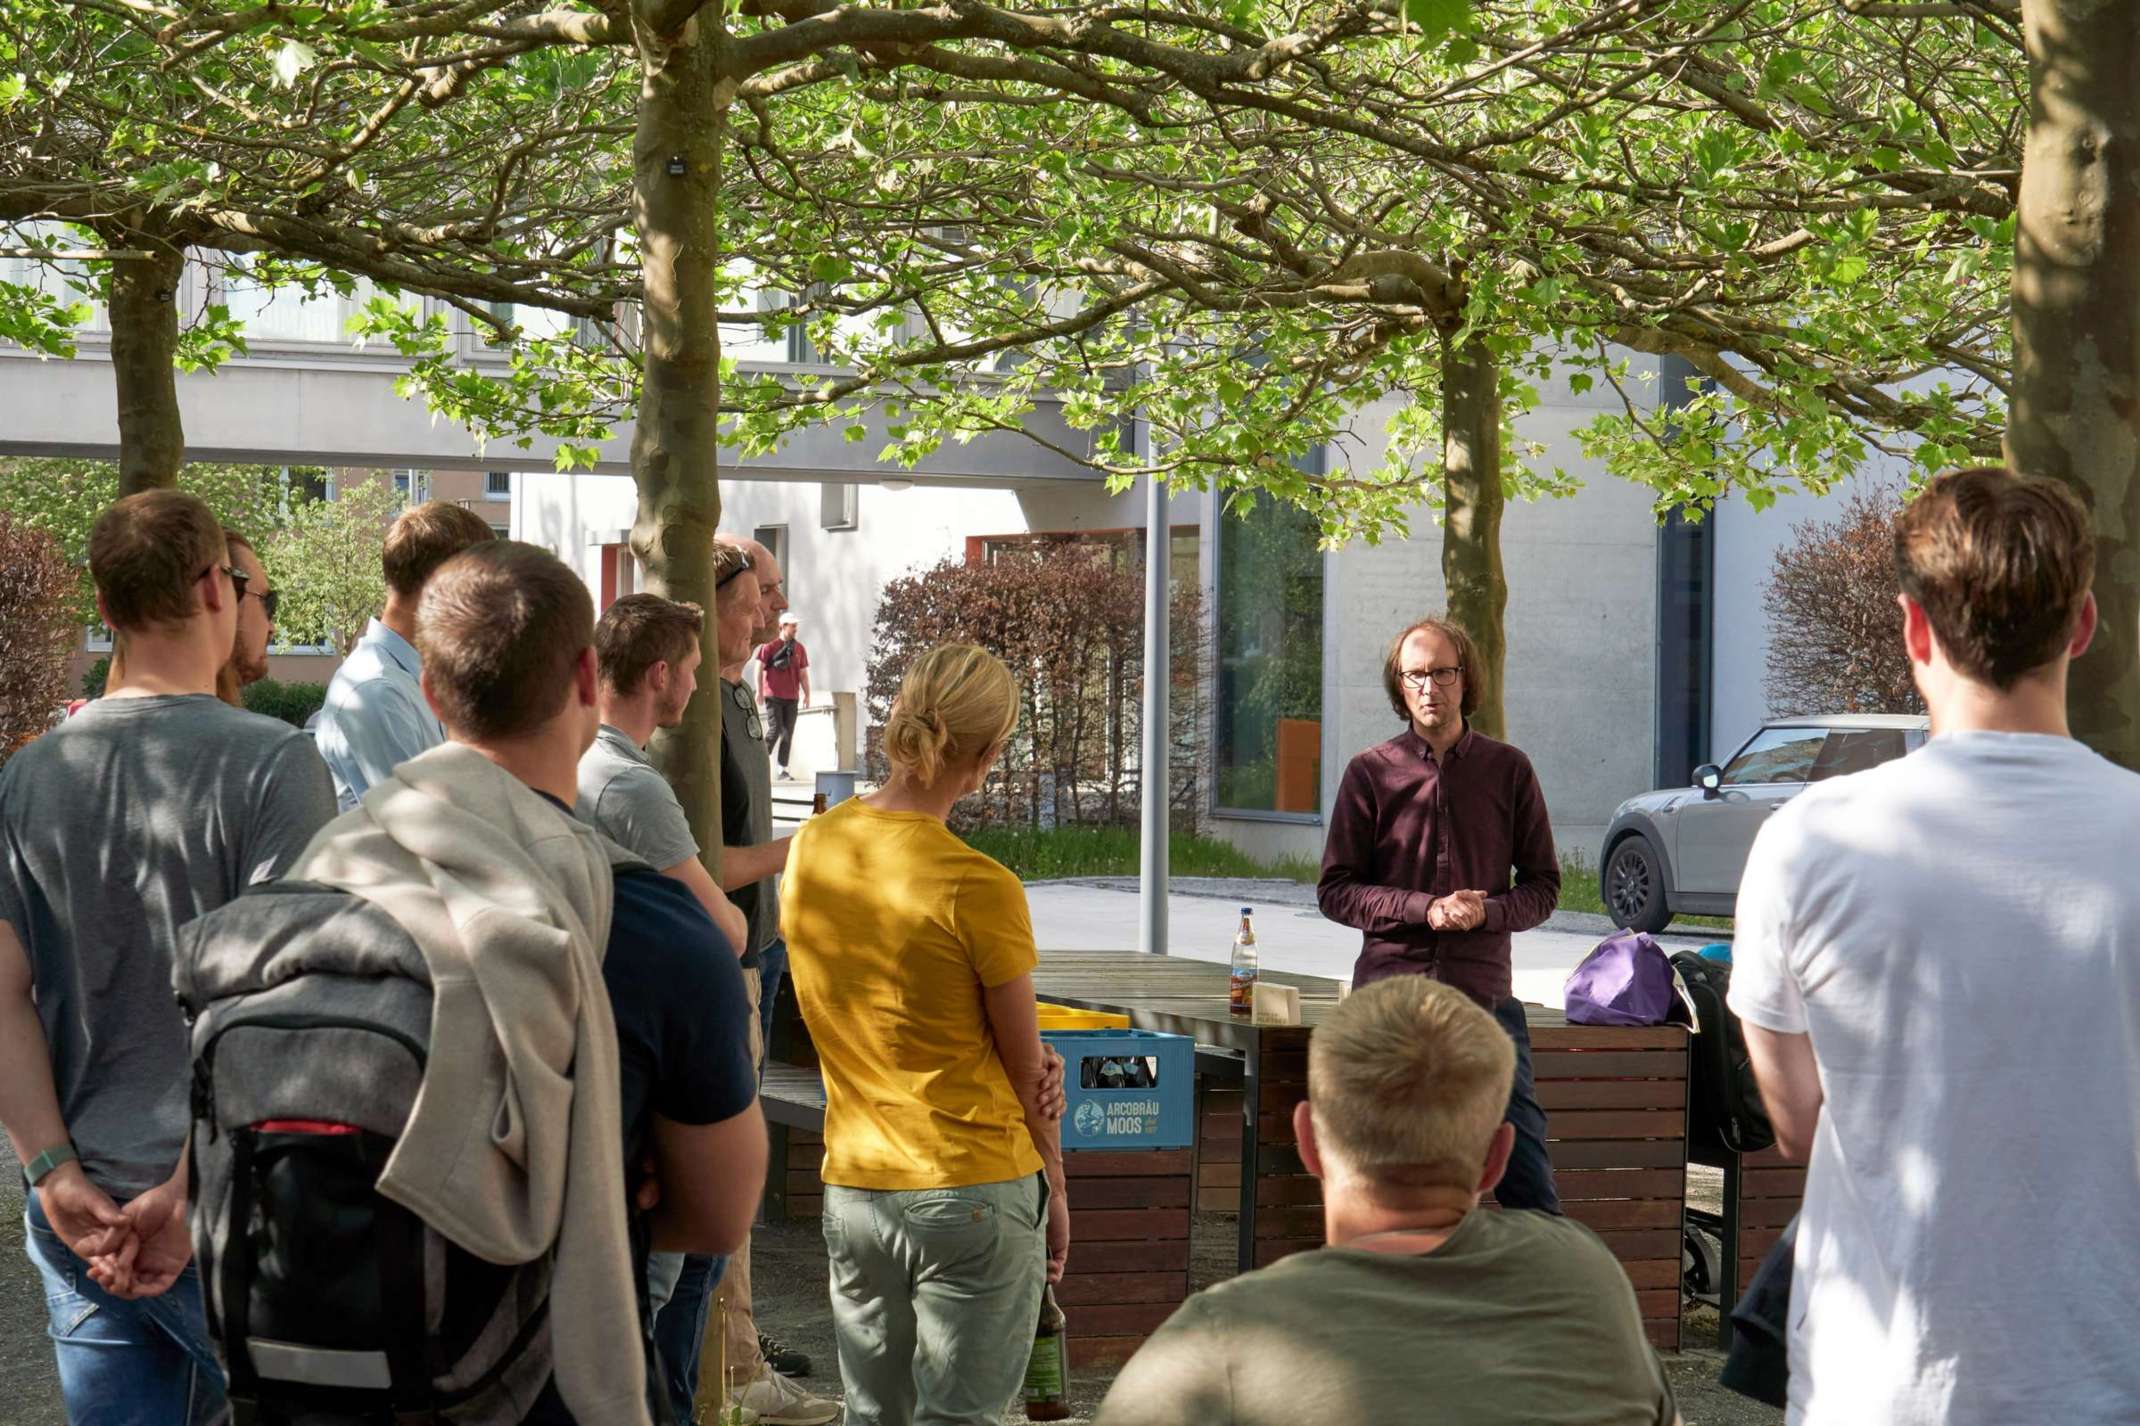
<point x="1408" y="829"/>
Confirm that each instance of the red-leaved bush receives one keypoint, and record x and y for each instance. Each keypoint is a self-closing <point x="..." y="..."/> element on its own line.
<point x="1068" y="618"/>
<point x="36" y="633"/>
<point x="1835" y="630"/>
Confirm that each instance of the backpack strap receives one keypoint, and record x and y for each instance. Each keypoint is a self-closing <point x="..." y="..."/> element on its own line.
<point x="411" y="1353"/>
<point x="235" y="1283"/>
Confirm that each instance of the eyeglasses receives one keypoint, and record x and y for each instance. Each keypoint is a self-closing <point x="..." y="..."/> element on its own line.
<point x="268" y="601"/>
<point x="1416" y="678"/>
<point x="748" y="707"/>
<point x="238" y="577"/>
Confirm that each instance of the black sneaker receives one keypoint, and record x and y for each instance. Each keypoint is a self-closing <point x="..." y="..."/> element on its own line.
<point x="783" y="1358"/>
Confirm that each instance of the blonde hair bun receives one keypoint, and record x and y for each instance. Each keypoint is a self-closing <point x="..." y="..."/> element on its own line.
<point x="956" y="702"/>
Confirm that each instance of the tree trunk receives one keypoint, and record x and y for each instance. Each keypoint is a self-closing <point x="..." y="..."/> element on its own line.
<point x="1471" y="518"/>
<point x="676" y="447"/>
<point x="144" y="345"/>
<point x="2077" y="324"/>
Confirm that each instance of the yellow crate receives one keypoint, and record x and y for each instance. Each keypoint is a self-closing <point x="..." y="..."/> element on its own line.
<point x="1064" y="1017"/>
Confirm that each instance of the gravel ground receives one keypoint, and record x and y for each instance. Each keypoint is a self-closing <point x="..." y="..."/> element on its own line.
<point x="790" y="1276"/>
<point x="789" y="1266"/>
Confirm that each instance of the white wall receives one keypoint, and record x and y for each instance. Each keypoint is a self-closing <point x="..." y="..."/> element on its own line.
<point x="835" y="578"/>
<point x="1581" y="625"/>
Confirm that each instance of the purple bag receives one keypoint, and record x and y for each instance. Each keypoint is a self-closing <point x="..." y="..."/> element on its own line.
<point x="1625" y="980"/>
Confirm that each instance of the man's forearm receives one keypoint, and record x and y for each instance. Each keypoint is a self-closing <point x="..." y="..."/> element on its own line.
<point x="741" y="866"/>
<point x="29" y="1103"/>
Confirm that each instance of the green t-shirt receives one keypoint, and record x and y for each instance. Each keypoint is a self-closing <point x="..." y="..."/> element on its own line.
<point x="1517" y="1319"/>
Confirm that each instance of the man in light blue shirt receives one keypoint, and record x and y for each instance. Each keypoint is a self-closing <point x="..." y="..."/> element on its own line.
<point x="376" y="717"/>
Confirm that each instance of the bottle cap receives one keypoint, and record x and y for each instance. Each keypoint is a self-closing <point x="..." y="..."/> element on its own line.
<point x="1246" y="909"/>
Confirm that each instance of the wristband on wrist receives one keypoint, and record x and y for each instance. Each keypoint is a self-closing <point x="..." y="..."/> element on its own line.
<point x="39" y="1168"/>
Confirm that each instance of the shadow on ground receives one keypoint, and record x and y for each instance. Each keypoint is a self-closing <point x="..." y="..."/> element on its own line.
<point x="790" y="1279"/>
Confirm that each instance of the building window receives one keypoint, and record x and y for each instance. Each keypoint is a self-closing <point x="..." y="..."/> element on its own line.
<point x="839" y="506"/>
<point x="775" y="538"/>
<point x="413" y="486"/>
<point x="498" y="482"/>
<point x="1269" y="704"/>
<point x="503" y="532"/>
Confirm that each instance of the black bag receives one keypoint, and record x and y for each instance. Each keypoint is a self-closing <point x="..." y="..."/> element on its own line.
<point x="782" y="656"/>
<point x="311" y="1015"/>
<point x="1724" y="1102"/>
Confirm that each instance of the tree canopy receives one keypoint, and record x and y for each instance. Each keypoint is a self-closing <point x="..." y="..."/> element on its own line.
<point x="1209" y="235"/>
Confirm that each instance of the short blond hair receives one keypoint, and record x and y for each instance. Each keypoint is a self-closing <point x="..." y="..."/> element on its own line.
<point x="955" y="700"/>
<point x="1408" y="1079"/>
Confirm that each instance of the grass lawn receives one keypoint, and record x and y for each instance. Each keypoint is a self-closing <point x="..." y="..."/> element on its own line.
<point x="1038" y="854"/>
<point x="1579" y="892"/>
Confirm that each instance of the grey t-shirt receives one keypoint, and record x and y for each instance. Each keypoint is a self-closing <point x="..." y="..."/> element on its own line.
<point x="1517" y="1319"/>
<point x="116" y="828"/>
<point x="625" y="798"/>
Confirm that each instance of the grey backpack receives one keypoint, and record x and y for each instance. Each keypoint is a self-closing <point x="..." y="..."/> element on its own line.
<point x="311" y="1016"/>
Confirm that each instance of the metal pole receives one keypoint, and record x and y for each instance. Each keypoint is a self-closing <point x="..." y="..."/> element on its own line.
<point x="1152" y="882"/>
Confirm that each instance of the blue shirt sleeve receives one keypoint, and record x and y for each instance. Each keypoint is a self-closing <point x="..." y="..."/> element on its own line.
<point x="370" y="729"/>
<point x="677" y="996"/>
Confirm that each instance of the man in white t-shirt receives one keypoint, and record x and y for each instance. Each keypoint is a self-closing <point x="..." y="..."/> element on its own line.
<point x="1938" y="966"/>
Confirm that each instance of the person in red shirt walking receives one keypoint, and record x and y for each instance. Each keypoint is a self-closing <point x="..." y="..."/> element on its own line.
<point x="784" y="687"/>
<point x="1426" y="833"/>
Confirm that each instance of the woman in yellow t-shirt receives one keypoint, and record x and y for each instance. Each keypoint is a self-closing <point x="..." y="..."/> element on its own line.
<point x="912" y="957"/>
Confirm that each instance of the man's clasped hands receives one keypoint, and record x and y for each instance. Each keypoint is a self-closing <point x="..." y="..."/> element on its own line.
<point x="1458" y="911"/>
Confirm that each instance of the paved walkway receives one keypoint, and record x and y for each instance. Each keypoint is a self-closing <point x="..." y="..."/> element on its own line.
<point x="1291" y="935"/>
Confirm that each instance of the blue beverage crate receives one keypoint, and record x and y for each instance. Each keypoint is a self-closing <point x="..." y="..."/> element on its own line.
<point x="1160" y="1115"/>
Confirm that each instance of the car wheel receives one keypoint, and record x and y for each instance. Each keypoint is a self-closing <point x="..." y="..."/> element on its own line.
<point x="1633" y="886"/>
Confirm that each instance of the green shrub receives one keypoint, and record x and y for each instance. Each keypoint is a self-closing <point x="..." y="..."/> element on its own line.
<point x="93" y="681"/>
<point x="291" y="702"/>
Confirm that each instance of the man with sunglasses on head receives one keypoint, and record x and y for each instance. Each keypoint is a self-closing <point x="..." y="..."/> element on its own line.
<point x="1439" y="850"/>
<point x="154" y="805"/>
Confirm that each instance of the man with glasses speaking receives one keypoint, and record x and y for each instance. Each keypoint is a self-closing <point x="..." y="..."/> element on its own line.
<point x="1439" y="851"/>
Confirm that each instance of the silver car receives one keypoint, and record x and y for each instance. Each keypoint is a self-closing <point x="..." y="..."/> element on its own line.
<point x="1681" y="851"/>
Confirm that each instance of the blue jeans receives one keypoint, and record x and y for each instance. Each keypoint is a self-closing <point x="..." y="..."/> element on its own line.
<point x="1528" y="1183"/>
<point x="142" y="1363"/>
<point x="772" y="969"/>
<point x="680" y="1322"/>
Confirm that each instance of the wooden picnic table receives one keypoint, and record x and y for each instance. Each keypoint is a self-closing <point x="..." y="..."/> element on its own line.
<point x="1615" y="1099"/>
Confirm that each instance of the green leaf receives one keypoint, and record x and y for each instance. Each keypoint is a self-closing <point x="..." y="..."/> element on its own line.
<point x="1435" y="18"/>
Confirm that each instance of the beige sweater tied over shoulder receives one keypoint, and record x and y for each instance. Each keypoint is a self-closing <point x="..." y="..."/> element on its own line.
<point x="514" y="1144"/>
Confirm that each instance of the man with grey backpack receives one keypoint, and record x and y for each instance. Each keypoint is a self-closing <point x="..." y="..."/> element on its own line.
<point x="456" y="1075"/>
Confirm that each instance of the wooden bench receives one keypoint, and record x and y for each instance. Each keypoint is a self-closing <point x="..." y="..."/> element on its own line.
<point x="1616" y="1120"/>
<point x="1129" y="1219"/>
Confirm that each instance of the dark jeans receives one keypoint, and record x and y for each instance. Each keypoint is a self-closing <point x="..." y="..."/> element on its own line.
<point x="680" y="1326"/>
<point x="780" y="727"/>
<point x="1528" y="1183"/>
<point x="772" y="969"/>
